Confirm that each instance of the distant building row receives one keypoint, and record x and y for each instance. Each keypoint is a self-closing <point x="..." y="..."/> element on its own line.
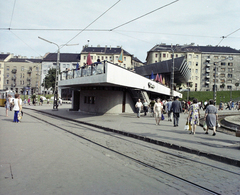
<point x="209" y="65"/>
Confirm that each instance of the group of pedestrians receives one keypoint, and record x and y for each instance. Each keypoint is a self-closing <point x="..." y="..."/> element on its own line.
<point x="231" y="105"/>
<point x="175" y="108"/>
<point x="158" y="107"/>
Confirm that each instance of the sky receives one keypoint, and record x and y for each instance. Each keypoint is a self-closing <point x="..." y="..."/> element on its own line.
<point x="202" y="22"/>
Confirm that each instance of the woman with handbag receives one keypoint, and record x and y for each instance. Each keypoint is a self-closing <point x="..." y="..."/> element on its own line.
<point x="211" y="117"/>
<point x="16" y="108"/>
<point x="194" y="115"/>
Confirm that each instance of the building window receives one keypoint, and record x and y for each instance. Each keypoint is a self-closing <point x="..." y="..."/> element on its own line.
<point x="222" y="75"/>
<point x="229" y="81"/>
<point x="207" y="85"/>
<point x="7" y="82"/>
<point x="89" y="100"/>
<point x="164" y="55"/>
<point x="197" y="56"/>
<point x="110" y="58"/>
<point x="229" y="75"/>
<point x="190" y="56"/>
<point x="230" y="69"/>
<point x="195" y="85"/>
<point x="84" y="57"/>
<point x="176" y="55"/>
<point x="22" y="68"/>
<point x="222" y="80"/>
<point x="230" y="58"/>
<point x="125" y="58"/>
<point x="223" y="57"/>
<point x="222" y="70"/>
<point x="102" y="58"/>
<point x="196" y="77"/>
<point x="156" y="55"/>
<point x="229" y="87"/>
<point x="92" y="57"/>
<point x="230" y="64"/>
<point x="196" y="63"/>
<point x="223" y="63"/>
<point x="7" y="75"/>
<point x="155" y="61"/>
<point x="8" y="68"/>
<point x="189" y="63"/>
<point x="215" y="57"/>
<point x="196" y="71"/>
<point x="215" y="81"/>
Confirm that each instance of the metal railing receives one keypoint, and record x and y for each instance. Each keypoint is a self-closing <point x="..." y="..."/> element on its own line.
<point x="93" y="69"/>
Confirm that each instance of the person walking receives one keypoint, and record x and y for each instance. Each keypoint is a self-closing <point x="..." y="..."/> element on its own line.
<point x="169" y="110"/>
<point x="177" y="109"/>
<point x="16" y="108"/>
<point x="145" y="107"/>
<point x="7" y="105"/>
<point x="158" y="110"/>
<point x="194" y="115"/>
<point x="211" y="117"/>
<point x="151" y="104"/>
<point x="138" y="106"/>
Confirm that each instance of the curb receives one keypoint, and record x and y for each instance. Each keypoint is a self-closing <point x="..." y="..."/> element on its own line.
<point x="211" y="156"/>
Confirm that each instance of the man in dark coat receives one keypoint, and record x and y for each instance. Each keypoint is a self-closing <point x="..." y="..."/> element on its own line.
<point x="177" y="109"/>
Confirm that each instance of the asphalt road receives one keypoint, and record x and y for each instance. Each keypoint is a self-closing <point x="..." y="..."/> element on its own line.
<point x="41" y="158"/>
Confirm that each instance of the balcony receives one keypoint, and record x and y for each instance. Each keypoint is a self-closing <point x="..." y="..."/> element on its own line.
<point x="208" y="60"/>
<point x="13" y="78"/>
<point x="207" y="76"/>
<point x="207" y="65"/>
<point x="13" y="85"/>
<point x="207" y="70"/>
<point x="28" y="79"/>
<point x="14" y="71"/>
<point x="207" y="82"/>
<point x="29" y="72"/>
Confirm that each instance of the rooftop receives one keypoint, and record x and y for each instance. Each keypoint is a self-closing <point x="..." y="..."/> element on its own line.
<point x="64" y="57"/>
<point x="105" y="50"/>
<point x="3" y="56"/>
<point x="197" y="49"/>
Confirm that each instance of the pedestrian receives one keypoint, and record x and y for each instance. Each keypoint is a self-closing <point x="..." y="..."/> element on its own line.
<point x="177" y="109"/>
<point x="60" y="101"/>
<point x="158" y="110"/>
<point x="211" y="117"/>
<point x="194" y="115"/>
<point x="138" y="106"/>
<point x="220" y="106"/>
<point x="29" y="101"/>
<point x="145" y="107"/>
<point x="7" y="105"/>
<point x="41" y="101"/>
<point x="169" y="110"/>
<point x="48" y="101"/>
<point x="16" y="108"/>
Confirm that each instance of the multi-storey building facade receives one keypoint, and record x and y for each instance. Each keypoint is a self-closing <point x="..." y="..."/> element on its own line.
<point x="110" y="54"/>
<point x="22" y="75"/>
<point x="68" y="61"/>
<point x="202" y="75"/>
<point x="3" y="59"/>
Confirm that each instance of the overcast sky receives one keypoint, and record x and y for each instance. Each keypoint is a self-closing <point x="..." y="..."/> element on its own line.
<point x="202" y="22"/>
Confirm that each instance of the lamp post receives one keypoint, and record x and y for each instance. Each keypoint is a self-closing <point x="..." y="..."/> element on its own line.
<point x="55" y="104"/>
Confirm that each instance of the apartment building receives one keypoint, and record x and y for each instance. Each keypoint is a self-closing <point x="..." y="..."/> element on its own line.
<point x="201" y="62"/>
<point x="110" y="54"/>
<point x="22" y="75"/>
<point x="3" y="59"/>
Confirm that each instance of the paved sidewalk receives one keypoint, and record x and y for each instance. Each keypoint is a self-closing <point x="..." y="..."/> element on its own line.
<point x="221" y="145"/>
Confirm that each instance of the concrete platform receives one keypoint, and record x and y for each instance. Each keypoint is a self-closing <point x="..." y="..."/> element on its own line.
<point x="222" y="147"/>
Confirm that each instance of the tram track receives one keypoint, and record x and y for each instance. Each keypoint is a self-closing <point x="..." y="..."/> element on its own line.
<point x="141" y="162"/>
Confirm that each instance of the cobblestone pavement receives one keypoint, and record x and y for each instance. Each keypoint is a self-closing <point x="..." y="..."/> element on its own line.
<point x="45" y="158"/>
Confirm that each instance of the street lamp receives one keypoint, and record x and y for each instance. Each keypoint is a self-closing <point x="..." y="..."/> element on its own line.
<point x="55" y="105"/>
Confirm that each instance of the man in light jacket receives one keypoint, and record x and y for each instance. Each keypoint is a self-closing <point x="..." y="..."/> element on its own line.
<point x="177" y="109"/>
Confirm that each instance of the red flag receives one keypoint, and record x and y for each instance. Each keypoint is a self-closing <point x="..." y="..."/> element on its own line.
<point x="157" y="78"/>
<point x="89" y="60"/>
<point x="160" y="79"/>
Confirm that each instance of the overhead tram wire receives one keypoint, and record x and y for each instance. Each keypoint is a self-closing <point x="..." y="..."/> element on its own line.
<point x="26" y="44"/>
<point x="144" y="15"/>
<point x="12" y="13"/>
<point x="93" y="21"/>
